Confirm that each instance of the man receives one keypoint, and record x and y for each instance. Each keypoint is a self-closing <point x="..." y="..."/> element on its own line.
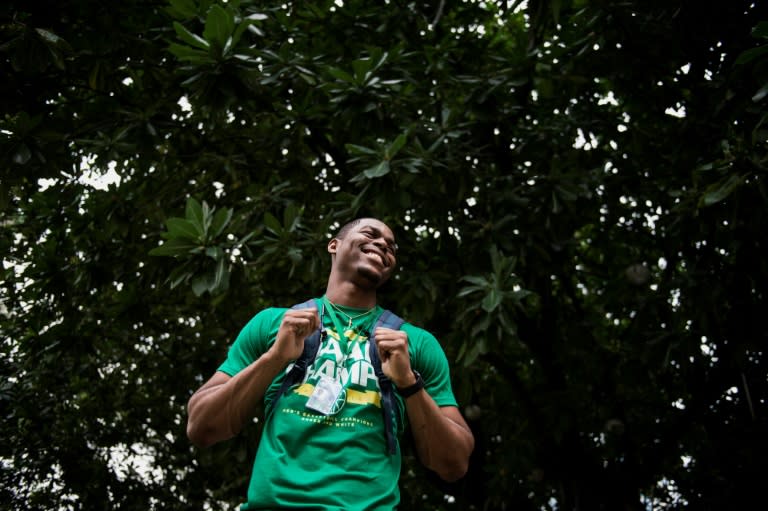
<point x="318" y="453"/>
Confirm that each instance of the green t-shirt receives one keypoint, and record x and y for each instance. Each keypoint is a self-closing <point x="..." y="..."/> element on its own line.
<point x="307" y="460"/>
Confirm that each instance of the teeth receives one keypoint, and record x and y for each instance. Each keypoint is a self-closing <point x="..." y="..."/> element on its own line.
<point x="377" y="256"/>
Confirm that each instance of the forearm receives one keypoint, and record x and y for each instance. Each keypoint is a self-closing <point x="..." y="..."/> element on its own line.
<point x="443" y="440"/>
<point x="219" y="409"/>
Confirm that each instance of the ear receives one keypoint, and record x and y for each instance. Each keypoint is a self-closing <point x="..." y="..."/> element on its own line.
<point x="332" y="246"/>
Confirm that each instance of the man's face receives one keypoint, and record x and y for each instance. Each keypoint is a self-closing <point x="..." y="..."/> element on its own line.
<point x="366" y="254"/>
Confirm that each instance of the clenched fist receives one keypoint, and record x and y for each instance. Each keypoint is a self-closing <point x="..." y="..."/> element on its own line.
<point x="296" y="326"/>
<point x="395" y="359"/>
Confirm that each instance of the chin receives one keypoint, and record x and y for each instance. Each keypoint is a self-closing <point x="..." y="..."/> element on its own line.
<point x="371" y="278"/>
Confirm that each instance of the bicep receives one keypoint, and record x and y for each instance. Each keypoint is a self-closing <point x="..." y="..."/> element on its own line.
<point x="219" y="378"/>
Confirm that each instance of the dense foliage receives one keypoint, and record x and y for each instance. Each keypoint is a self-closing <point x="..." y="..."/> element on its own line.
<point x="578" y="189"/>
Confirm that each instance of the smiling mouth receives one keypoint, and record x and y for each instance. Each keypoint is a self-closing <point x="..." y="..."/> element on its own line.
<point x="378" y="256"/>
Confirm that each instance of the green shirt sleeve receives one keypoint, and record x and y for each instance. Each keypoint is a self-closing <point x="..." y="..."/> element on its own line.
<point x="253" y="340"/>
<point x="428" y="358"/>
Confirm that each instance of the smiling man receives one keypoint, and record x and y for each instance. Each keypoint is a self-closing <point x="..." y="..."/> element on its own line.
<point x="325" y="443"/>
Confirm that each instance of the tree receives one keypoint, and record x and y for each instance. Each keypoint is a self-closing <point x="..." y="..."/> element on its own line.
<point x="578" y="187"/>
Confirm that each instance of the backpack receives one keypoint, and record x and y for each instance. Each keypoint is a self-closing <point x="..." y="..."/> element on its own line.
<point x="311" y="345"/>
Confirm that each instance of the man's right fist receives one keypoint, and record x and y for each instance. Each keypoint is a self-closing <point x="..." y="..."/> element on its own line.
<point x="296" y="326"/>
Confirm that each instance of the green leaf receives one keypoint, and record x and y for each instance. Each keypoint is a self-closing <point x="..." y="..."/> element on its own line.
<point x="239" y="30"/>
<point x="48" y="36"/>
<point x="720" y="191"/>
<point x="382" y="169"/>
<point x="340" y="75"/>
<point x="478" y="281"/>
<point x="705" y="167"/>
<point x="215" y="280"/>
<point x="174" y="247"/>
<point x="751" y="54"/>
<point x="478" y="347"/>
<point x="182" y="228"/>
<point x="186" y="8"/>
<point x="179" y="275"/>
<point x="220" y="281"/>
<point x="462" y="350"/>
<point x="190" y="38"/>
<point x="295" y="255"/>
<point x="272" y="224"/>
<point x="291" y="217"/>
<point x="360" y="150"/>
<point x="215" y="253"/>
<point x="761" y="30"/>
<point x="201" y="284"/>
<point x="760" y="94"/>
<point x="468" y="290"/>
<point x="506" y="324"/>
<point x="207" y="219"/>
<point x="220" y="221"/>
<point x="496" y="260"/>
<point x="194" y="215"/>
<point x="472" y="354"/>
<point x="521" y="294"/>
<point x="219" y="26"/>
<point x="361" y="68"/>
<point x="188" y="54"/>
<point x="481" y="326"/>
<point x="491" y="300"/>
<point x="398" y="144"/>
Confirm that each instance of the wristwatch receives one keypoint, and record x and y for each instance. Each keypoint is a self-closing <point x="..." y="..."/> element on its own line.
<point x="412" y="389"/>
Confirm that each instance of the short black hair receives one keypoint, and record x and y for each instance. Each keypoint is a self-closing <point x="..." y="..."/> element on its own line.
<point x="342" y="232"/>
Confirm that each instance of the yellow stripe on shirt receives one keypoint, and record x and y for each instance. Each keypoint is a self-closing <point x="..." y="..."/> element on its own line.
<point x="356" y="397"/>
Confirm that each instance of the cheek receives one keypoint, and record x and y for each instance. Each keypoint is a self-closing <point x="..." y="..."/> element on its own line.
<point x="352" y="252"/>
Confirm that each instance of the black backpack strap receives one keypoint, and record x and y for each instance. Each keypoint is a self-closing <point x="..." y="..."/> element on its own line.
<point x="311" y="344"/>
<point x="393" y="322"/>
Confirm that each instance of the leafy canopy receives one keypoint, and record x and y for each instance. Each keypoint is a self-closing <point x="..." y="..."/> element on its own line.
<point x="578" y="188"/>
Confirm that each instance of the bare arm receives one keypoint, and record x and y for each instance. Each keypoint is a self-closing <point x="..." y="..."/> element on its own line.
<point x="220" y="408"/>
<point x="443" y="439"/>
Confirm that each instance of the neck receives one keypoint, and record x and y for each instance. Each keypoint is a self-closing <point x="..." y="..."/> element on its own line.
<point x="350" y="295"/>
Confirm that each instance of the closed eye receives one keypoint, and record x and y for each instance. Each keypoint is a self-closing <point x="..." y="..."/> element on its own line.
<point x="372" y="233"/>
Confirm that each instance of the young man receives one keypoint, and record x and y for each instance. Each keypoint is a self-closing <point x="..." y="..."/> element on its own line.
<point x="318" y="453"/>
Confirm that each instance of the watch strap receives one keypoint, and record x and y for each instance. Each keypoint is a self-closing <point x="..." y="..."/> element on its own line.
<point x="412" y="389"/>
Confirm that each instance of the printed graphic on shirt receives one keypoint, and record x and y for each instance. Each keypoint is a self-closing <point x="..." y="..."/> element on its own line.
<point x="330" y="420"/>
<point x="347" y="361"/>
